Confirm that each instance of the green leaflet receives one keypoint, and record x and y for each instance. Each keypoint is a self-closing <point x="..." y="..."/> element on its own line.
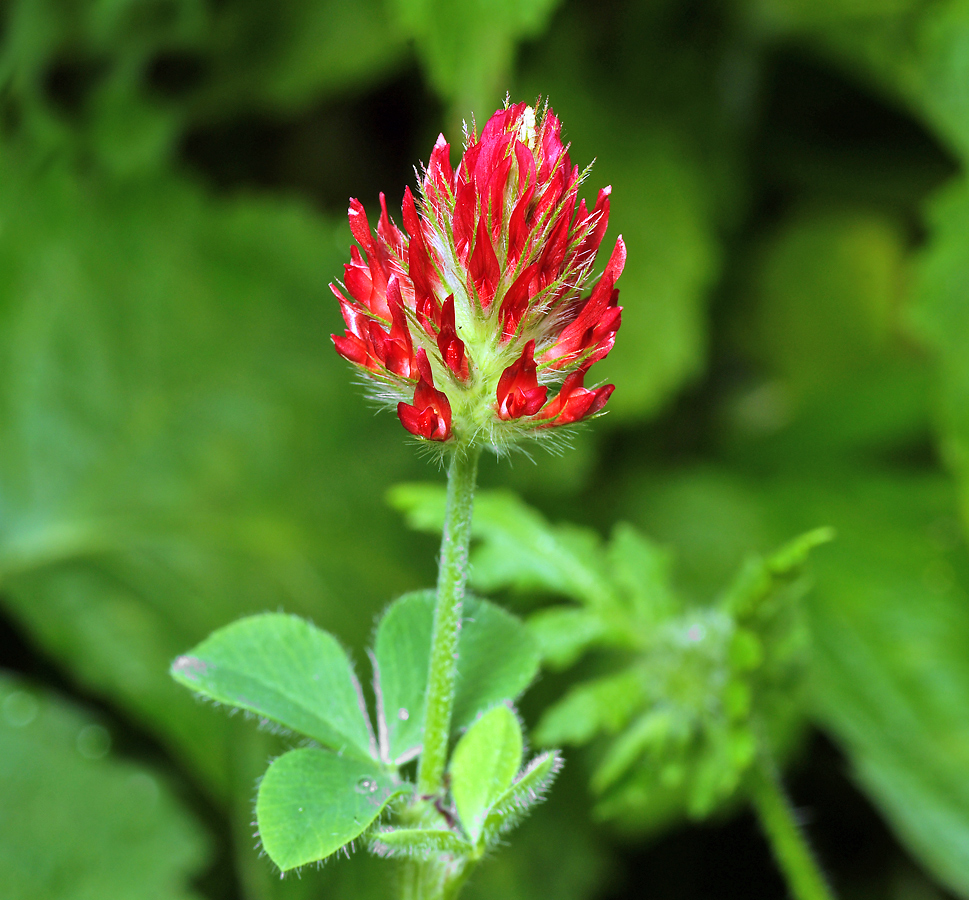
<point x="285" y="669"/>
<point x="564" y="633"/>
<point x="483" y="766"/>
<point x="78" y="823"/>
<point x="593" y="707"/>
<point x="528" y="789"/>
<point x="497" y="660"/>
<point x="313" y="802"/>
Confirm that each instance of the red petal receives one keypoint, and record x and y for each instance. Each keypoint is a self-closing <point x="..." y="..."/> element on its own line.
<point x="465" y="208"/>
<point x="592" y="333"/>
<point x="420" y="269"/>
<point x="514" y="305"/>
<point x="359" y="226"/>
<point x="387" y="231"/>
<point x="450" y="345"/>
<point x="430" y="415"/>
<point x="483" y="268"/>
<point x="519" y="393"/>
<point x="519" y="227"/>
<point x="574" y="402"/>
<point x="439" y="173"/>
<point x="352" y="349"/>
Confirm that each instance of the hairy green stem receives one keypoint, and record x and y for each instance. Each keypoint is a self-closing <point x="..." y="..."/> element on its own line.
<point x="790" y="848"/>
<point x="431" y="880"/>
<point x="452" y="576"/>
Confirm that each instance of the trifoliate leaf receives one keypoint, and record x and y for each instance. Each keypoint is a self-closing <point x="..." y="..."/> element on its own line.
<point x="285" y="669"/>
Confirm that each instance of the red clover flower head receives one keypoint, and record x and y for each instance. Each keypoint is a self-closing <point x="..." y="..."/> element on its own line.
<point x="473" y="321"/>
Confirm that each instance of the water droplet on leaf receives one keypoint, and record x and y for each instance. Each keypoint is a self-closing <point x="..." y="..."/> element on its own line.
<point x="366" y="786"/>
<point x="402" y="714"/>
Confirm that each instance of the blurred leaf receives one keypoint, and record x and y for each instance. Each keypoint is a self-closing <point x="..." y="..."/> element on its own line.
<point x="520" y="549"/>
<point x="827" y="290"/>
<point x="284" y="669"/>
<point x="564" y="633"/>
<point x="704" y="684"/>
<point x="312" y="802"/>
<point x="295" y="52"/>
<point x="642" y="573"/>
<point x="497" y="660"/>
<point x="942" y="315"/>
<point x="99" y="53"/>
<point x="888" y="616"/>
<point x="180" y="446"/>
<point x="918" y="51"/>
<point x="468" y="48"/>
<point x="483" y="766"/>
<point x="76" y="823"/>
<point x="603" y="705"/>
<point x="891" y="625"/>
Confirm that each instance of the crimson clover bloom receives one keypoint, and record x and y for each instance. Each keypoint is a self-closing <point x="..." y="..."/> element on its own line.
<point x="474" y="321"/>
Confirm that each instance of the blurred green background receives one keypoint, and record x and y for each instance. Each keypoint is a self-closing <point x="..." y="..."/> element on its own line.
<point x="180" y="445"/>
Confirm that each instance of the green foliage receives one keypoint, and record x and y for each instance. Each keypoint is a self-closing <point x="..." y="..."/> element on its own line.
<point x="281" y="57"/>
<point x="145" y="498"/>
<point x="284" y="669"/>
<point x="313" y="802"/>
<point x="497" y="660"/>
<point x="483" y="767"/>
<point x="76" y="822"/>
<point x="817" y="326"/>
<point x="941" y="315"/>
<point x="891" y="623"/>
<point x="705" y="685"/>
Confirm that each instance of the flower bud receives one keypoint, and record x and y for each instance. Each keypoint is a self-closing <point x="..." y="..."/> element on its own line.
<point x="474" y="321"/>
